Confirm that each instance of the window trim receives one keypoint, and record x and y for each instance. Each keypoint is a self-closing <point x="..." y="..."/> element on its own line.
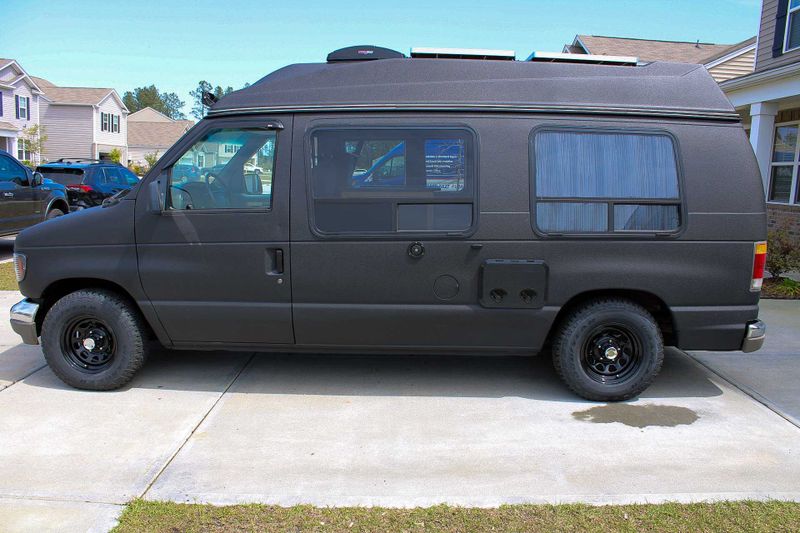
<point x="610" y="201"/>
<point x="794" y="187"/>
<point x="789" y="12"/>
<point x="474" y="199"/>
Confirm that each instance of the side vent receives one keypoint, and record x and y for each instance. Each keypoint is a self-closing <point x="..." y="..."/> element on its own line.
<point x="363" y="53"/>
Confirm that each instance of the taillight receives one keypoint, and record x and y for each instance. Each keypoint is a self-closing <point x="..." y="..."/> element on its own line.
<point x="759" y="261"/>
<point x="80" y="187"/>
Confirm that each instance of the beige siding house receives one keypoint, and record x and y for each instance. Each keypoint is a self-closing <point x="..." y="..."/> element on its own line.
<point x="769" y="101"/>
<point x="83" y="122"/>
<point x="19" y="108"/>
<point x="151" y="132"/>
<point x="723" y="61"/>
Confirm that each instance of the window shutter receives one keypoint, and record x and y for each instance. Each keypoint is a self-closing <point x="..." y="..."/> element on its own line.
<point x="780" y="28"/>
<point x="16" y="102"/>
<point x="28" y="107"/>
<point x="1" y="103"/>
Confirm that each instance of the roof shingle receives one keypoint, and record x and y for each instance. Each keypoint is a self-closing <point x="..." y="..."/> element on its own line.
<point x="647" y="50"/>
<point x="157" y="134"/>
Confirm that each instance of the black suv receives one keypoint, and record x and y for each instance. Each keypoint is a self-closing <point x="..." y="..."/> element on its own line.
<point x="89" y="181"/>
<point x="25" y="197"/>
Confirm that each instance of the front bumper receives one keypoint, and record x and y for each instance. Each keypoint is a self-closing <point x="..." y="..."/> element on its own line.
<point x="23" y="320"/>
<point x="754" y="336"/>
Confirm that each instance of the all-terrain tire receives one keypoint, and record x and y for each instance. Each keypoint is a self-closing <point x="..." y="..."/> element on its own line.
<point x="589" y="333"/>
<point x="54" y="213"/>
<point x="113" y="315"/>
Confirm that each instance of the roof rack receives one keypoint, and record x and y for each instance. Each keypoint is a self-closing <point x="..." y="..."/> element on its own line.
<point x="70" y="160"/>
<point x="463" y="53"/>
<point x="363" y="53"/>
<point x="595" y="59"/>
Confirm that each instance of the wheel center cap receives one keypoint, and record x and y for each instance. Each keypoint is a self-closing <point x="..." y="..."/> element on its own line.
<point x="89" y="343"/>
<point x="611" y="353"/>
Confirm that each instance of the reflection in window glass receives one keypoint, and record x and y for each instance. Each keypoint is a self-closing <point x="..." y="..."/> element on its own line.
<point x="785" y="144"/>
<point x="780" y="185"/>
<point x="562" y="217"/>
<point x="793" y="26"/>
<point x="645" y="217"/>
<point x="227" y="168"/>
<point x="363" y="179"/>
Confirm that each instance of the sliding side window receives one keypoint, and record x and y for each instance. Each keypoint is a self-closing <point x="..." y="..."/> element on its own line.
<point x="596" y="182"/>
<point x="389" y="181"/>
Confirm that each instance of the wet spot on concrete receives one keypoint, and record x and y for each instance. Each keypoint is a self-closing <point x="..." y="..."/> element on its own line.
<point x="638" y="416"/>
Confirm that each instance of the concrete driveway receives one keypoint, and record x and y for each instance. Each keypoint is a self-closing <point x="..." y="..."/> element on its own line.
<point x="394" y="431"/>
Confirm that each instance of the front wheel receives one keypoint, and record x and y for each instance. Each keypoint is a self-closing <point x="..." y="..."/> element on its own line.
<point x="608" y="350"/>
<point x="93" y="339"/>
<point x="54" y="213"/>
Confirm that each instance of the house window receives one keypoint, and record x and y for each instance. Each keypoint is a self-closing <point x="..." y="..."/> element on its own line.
<point x="23" y="105"/>
<point x="23" y="150"/>
<point x="783" y="187"/>
<point x="603" y="182"/>
<point x="792" y="37"/>
<point x="114" y="123"/>
<point x="103" y="121"/>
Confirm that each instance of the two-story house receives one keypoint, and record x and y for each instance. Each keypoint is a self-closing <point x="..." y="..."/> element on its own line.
<point x="19" y="108"/>
<point x="83" y="122"/>
<point x="769" y="101"/>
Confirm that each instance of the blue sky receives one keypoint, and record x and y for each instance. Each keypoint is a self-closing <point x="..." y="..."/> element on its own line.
<point x="175" y="43"/>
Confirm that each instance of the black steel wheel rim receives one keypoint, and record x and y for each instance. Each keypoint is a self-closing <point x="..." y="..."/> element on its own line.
<point x="88" y="344"/>
<point x="611" y="354"/>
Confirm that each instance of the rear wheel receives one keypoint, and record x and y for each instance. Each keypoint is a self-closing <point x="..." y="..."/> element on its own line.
<point x="608" y="350"/>
<point x="54" y="213"/>
<point x="94" y="339"/>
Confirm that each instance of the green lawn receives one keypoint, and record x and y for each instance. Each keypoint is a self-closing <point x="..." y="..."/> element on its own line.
<point x="8" y="281"/>
<point x="671" y="517"/>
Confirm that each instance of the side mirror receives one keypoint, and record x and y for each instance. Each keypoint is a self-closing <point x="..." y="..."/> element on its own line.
<point x="156" y="197"/>
<point x="37" y="179"/>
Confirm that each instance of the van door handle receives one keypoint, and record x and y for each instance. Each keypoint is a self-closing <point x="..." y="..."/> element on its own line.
<point x="275" y="255"/>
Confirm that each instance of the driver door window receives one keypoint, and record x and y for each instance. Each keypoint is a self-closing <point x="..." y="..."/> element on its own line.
<point x="225" y="169"/>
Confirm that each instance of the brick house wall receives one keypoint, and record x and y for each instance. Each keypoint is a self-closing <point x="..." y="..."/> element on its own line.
<point x="786" y="217"/>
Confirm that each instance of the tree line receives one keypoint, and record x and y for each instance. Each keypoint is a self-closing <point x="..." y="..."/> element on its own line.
<point x="170" y="104"/>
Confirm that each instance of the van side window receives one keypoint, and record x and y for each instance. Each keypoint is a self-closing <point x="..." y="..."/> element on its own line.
<point x="226" y="169"/>
<point x="597" y="182"/>
<point x="378" y="181"/>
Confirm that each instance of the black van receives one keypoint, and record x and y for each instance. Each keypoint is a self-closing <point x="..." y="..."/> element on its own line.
<point x="595" y="212"/>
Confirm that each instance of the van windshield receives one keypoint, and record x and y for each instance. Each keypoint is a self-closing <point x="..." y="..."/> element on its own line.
<point x="64" y="176"/>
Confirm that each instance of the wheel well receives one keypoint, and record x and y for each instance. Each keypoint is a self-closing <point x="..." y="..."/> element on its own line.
<point x="58" y="289"/>
<point x="59" y="204"/>
<point x="649" y="301"/>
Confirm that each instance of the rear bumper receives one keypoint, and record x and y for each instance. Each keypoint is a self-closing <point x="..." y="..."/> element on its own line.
<point x="718" y="328"/>
<point x="23" y="320"/>
<point x="754" y="336"/>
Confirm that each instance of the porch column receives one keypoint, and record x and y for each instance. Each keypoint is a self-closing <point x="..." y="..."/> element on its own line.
<point x="762" y="132"/>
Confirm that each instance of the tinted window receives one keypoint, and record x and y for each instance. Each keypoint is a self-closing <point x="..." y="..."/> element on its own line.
<point x="390" y="180"/>
<point x="589" y="182"/>
<point x="64" y="176"/>
<point x="227" y="168"/>
<point x="10" y="170"/>
<point x="130" y="177"/>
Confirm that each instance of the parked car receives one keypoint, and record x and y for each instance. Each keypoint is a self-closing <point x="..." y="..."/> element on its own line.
<point x="26" y="198"/>
<point x="594" y="212"/>
<point x="88" y="181"/>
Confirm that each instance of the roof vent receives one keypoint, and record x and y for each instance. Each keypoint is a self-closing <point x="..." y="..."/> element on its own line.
<point x="363" y="53"/>
<point x="595" y="59"/>
<point x="463" y="53"/>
